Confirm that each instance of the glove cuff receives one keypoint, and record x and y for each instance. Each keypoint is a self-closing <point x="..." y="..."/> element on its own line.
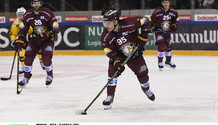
<point x="142" y="39"/>
<point x="19" y="41"/>
<point x="114" y="58"/>
<point x="115" y="62"/>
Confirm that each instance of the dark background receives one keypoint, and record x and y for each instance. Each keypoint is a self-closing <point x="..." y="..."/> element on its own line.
<point x="82" y="5"/>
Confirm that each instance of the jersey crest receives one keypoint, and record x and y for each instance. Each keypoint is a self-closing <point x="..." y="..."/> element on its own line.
<point x="165" y="25"/>
<point x="127" y="48"/>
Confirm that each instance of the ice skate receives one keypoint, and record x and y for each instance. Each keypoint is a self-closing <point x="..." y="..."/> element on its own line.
<point x="170" y="64"/>
<point x="24" y="82"/>
<point x="108" y="102"/>
<point x="48" y="80"/>
<point x="150" y="94"/>
<point x="161" y="66"/>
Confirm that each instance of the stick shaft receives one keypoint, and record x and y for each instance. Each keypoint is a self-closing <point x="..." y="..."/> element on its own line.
<point x="115" y="75"/>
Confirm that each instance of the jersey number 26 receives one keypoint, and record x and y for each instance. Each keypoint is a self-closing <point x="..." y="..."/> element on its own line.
<point x="38" y="22"/>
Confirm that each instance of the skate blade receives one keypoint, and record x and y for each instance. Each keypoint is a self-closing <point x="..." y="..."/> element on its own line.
<point x="107" y="107"/>
<point x="169" y="66"/>
<point x="48" y="85"/>
<point x="160" y="69"/>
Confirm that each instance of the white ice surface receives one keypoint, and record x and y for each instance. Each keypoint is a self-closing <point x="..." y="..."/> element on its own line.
<point x="187" y="94"/>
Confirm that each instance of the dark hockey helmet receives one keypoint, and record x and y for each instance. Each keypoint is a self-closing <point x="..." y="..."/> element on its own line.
<point x="36" y="1"/>
<point x="165" y="0"/>
<point x="111" y="15"/>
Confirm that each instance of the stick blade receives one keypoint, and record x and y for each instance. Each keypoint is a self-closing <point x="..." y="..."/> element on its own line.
<point x="19" y="91"/>
<point x="4" y="79"/>
<point x="80" y="112"/>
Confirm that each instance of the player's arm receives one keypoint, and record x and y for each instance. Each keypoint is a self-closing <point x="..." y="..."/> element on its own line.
<point x="109" y="49"/>
<point x="13" y="32"/>
<point x="54" y="25"/>
<point x="154" y="21"/>
<point x="24" y="27"/>
<point x="29" y="34"/>
<point x="20" y="42"/>
<point x="142" y="38"/>
<point x="175" y="24"/>
<point x="111" y="52"/>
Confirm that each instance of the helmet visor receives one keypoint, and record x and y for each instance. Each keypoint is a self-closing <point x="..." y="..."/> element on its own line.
<point x="20" y="14"/>
<point x="108" y="23"/>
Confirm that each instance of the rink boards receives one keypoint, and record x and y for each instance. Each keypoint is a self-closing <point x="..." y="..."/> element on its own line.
<point x="100" y="52"/>
<point x="192" y="38"/>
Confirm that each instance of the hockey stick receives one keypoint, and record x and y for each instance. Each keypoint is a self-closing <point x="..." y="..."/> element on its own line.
<point x="4" y="79"/>
<point x="18" y="91"/>
<point x="84" y="112"/>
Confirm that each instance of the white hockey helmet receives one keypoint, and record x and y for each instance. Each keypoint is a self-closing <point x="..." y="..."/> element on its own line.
<point x="20" y="11"/>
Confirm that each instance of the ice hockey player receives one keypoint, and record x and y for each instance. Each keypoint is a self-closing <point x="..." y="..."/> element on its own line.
<point x="14" y="30"/>
<point x="164" y="20"/>
<point x="118" y="39"/>
<point x="45" y="28"/>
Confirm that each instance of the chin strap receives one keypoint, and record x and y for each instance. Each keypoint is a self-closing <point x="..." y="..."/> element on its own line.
<point x="114" y="25"/>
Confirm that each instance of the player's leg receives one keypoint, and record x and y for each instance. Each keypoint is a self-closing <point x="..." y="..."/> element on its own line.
<point x="39" y="55"/>
<point x="161" y="48"/>
<point x="30" y="54"/>
<point x="22" y="59"/>
<point x="47" y="54"/>
<point x="168" y="53"/>
<point x="139" y="67"/>
<point x="111" y="87"/>
<point x="160" y="55"/>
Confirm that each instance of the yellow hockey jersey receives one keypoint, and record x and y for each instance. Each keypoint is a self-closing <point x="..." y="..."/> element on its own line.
<point x="15" y="28"/>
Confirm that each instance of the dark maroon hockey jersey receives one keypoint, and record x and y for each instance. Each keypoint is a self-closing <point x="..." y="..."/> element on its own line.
<point x="40" y="23"/>
<point x="162" y="21"/>
<point x="122" y="41"/>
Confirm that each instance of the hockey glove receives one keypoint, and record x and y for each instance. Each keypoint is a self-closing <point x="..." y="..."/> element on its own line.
<point x="173" y="28"/>
<point x="49" y="35"/>
<point x="18" y="45"/>
<point x="138" y="53"/>
<point x="118" y="67"/>
<point x="117" y="64"/>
